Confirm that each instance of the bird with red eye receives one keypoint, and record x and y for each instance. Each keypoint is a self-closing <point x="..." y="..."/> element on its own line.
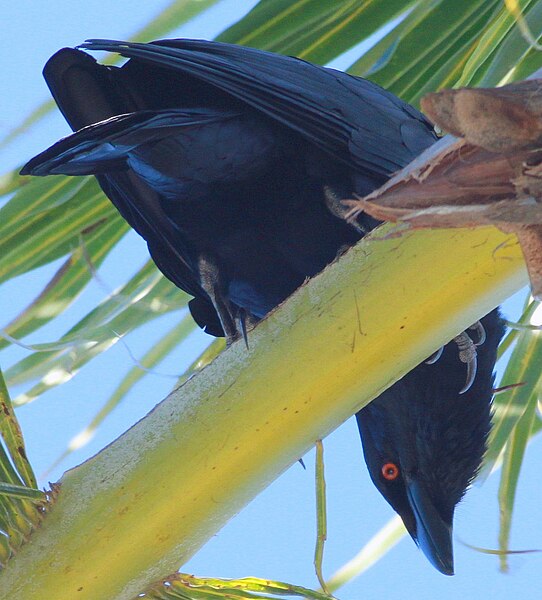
<point x="390" y="471"/>
<point x="232" y="163"/>
<point x="424" y="439"/>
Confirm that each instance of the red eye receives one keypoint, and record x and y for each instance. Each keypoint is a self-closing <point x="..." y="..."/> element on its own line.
<point x="390" y="471"/>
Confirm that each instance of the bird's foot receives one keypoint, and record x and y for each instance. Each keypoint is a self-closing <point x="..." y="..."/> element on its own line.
<point x="467" y="352"/>
<point x="479" y="328"/>
<point x="338" y="207"/>
<point x="209" y="273"/>
<point x="467" y="355"/>
<point x="236" y="322"/>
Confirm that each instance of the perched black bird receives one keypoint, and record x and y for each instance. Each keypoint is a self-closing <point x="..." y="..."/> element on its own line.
<point x="232" y="163"/>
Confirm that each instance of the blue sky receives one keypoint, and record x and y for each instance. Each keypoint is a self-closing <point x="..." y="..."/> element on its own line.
<point x="274" y="536"/>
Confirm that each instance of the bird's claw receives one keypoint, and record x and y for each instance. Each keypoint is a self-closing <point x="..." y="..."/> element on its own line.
<point x="210" y="279"/>
<point x="245" y="322"/>
<point x="479" y="328"/>
<point x="472" y="365"/>
<point x="467" y="352"/>
<point x="435" y="356"/>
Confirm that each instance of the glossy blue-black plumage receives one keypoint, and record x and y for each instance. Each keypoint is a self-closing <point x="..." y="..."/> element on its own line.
<point x="231" y="162"/>
<point x="279" y="129"/>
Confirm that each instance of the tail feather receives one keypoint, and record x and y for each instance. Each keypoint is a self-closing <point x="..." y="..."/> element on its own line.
<point x="84" y="90"/>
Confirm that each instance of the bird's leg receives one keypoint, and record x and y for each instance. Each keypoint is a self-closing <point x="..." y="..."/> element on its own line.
<point x="209" y="273"/>
<point x="336" y="206"/>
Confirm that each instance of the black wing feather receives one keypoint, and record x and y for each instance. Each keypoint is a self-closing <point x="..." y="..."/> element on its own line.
<point x="354" y="120"/>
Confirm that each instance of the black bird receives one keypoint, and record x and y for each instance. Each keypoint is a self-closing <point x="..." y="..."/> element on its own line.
<point x="232" y="163"/>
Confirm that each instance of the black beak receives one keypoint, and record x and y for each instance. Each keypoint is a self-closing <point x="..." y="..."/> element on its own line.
<point x="433" y="534"/>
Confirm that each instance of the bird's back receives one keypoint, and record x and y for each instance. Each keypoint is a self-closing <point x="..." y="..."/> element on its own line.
<point x="255" y="184"/>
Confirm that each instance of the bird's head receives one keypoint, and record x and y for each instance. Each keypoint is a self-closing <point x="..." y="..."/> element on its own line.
<point x="424" y="442"/>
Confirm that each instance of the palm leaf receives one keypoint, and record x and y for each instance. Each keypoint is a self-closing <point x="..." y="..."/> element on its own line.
<point x="428" y="44"/>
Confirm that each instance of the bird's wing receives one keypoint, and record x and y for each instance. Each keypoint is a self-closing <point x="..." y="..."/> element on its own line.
<point x="107" y="145"/>
<point x="215" y="146"/>
<point x="87" y="93"/>
<point x="354" y="120"/>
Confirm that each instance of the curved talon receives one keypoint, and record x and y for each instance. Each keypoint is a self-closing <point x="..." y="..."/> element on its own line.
<point x="435" y="356"/>
<point x="245" y="322"/>
<point x="471" y="375"/>
<point x="210" y="279"/>
<point x="467" y="355"/>
<point x="479" y="328"/>
<point x="242" y="319"/>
